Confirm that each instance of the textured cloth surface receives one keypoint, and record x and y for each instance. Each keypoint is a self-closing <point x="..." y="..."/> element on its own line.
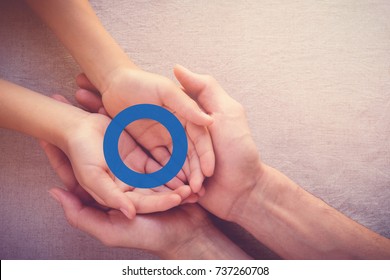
<point x="314" y="77"/>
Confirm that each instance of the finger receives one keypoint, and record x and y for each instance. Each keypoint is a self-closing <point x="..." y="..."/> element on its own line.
<point x="185" y="170"/>
<point x="141" y="163"/>
<point x="136" y="159"/>
<point x="89" y="100"/>
<point x="201" y="192"/>
<point x="162" y="156"/>
<point x="62" y="166"/>
<point x="201" y="139"/>
<point x="157" y="141"/>
<point x="190" y="81"/>
<point x="70" y="203"/>
<point x="83" y="82"/>
<point x="106" y="192"/>
<point x="202" y="88"/>
<point x="149" y="201"/>
<point x="103" y="111"/>
<point x="183" y="191"/>
<point x="60" y="98"/>
<point x="178" y="101"/>
<point x="60" y="163"/>
<point x="196" y="176"/>
<point x="153" y="166"/>
<point x="87" y="219"/>
<point x="193" y="198"/>
<point x="154" y="201"/>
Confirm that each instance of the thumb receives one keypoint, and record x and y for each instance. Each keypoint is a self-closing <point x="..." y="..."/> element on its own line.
<point x="106" y="192"/>
<point x="177" y="100"/>
<point x="202" y="88"/>
<point x="70" y="203"/>
<point x="87" y="219"/>
<point x="193" y="83"/>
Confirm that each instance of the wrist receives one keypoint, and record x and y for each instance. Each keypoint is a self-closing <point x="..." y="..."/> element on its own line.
<point x="271" y="188"/>
<point x="189" y="243"/>
<point x="204" y="244"/>
<point x="113" y="75"/>
<point x="72" y="121"/>
<point x="252" y="194"/>
<point x="272" y="200"/>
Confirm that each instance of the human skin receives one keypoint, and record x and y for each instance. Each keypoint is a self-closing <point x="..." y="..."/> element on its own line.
<point x="79" y="134"/>
<point x="184" y="232"/>
<point x="273" y="208"/>
<point x="122" y="84"/>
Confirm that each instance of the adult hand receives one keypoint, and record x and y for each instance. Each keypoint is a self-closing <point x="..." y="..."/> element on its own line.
<point x="184" y="232"/>
<point x="166" y="234"/>
<point x="238" y="166"/>
<point x="129" y="86"/>
<point x="262" y="200"/>
<point x="84" y="152"/>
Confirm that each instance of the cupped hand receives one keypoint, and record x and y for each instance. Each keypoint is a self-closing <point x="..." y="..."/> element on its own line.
<point x="164" y="233"/>
<point x="238" y="166"/>
<point x="133" y="86"/>
<point x="84" y="153"/>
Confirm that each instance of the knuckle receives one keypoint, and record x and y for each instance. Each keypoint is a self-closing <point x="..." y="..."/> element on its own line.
<point x="210" y="80"/>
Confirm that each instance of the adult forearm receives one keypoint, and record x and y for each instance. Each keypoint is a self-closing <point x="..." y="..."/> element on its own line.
<point x="77" y="26"/>
<point x="37" y="115"/>
<point x="297" y="225"/>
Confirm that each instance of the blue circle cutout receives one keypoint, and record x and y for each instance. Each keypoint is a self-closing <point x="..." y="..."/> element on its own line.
<point x="179" y="142"/>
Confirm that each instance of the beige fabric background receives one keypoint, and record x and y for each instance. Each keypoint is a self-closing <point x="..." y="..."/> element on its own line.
<point x="314" y="77"/>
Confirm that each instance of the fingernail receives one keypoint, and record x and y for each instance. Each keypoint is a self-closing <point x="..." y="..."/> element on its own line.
<point x="210" y="118"/>
<point x="53" y="195"/>
<point x="124" y="211"/>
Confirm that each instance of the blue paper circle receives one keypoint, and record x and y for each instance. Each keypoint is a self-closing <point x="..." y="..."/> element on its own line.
<point x="179" y="142"/>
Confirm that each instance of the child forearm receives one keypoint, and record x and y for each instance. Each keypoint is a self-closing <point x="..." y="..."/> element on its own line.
<point x="37" y="115"/>
<point x="77" y="26"/>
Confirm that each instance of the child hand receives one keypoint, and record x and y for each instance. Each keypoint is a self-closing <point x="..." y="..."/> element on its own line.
<point x="84" y="154"/>
<point x="133" y="86"/>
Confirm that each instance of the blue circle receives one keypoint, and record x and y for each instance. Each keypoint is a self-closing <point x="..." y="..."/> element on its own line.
<point x="179" y="149"/>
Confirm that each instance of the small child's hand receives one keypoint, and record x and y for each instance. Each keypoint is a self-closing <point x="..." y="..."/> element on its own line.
<point x="84" y="154"/>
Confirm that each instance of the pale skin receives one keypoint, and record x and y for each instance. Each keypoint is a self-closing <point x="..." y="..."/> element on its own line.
<point x="274" y="209"/>
<point x="79" y="134"/>
<point x="169" y="234"/>
<point x="122" y="84"/>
